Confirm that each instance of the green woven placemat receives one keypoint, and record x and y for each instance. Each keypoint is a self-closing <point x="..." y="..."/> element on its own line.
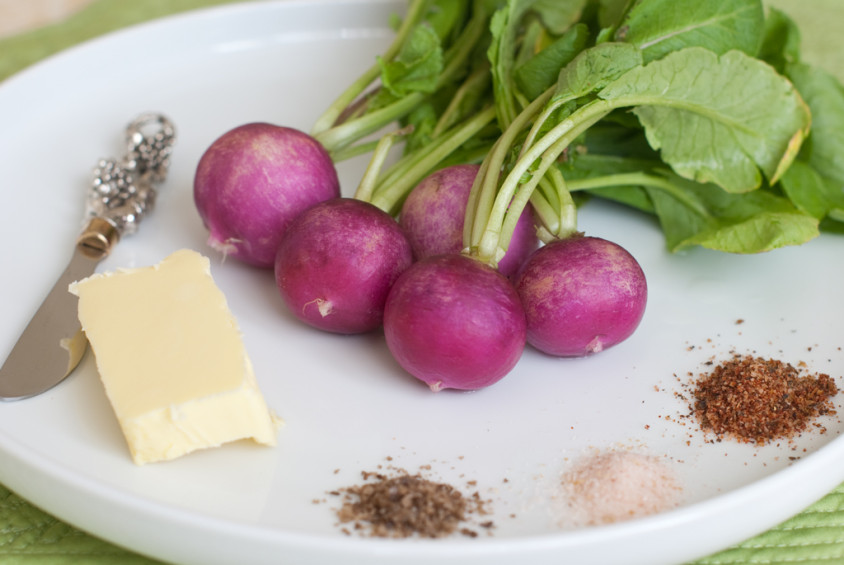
<point x="29" y="536"/>
<point x="813" y="537"/>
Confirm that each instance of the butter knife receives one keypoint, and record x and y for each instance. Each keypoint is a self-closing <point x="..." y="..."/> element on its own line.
<point x="122" y="193"/>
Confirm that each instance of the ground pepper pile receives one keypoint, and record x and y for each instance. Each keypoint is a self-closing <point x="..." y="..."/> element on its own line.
<point x="405" y="505"/>
<point x="756" y="400"/>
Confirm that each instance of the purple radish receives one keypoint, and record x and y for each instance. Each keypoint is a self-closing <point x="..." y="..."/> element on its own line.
<point x="454" y="322"/>
<point x="581" y="295"/>
<point x="434" y="211"/>
<point x="337" y="262"/>
<point x="252" y="181"/>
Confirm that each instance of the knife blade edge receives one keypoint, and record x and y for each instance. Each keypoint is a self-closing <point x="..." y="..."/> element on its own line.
<point x="32" y="366"/>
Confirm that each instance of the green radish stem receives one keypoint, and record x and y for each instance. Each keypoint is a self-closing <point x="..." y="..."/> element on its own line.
<point x="415" y="13"/>
<point x="482" y="195"/>
<point x="492" y="227"/>
<point x="554" y="207"/>
<point x="379" y="155"/>
<point x="474" y="82"/>
<point x="339" y="136"/>
<point x="408" y="171"/>
<point x="639" y="179"/>
<point x="492" y="224"/>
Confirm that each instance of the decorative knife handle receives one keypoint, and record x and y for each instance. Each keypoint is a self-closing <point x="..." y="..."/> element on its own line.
<point x="123" y="190"/>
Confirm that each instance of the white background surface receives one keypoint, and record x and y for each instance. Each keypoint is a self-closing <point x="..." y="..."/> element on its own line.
<point x="347" y="405"/>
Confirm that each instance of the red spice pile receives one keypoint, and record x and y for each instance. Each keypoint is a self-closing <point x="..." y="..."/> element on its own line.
<point x="755" y="400"/>
<point x="407" y="505"/>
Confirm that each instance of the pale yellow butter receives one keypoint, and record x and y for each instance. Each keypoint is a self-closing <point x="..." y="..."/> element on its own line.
<point x="171" y="359"/>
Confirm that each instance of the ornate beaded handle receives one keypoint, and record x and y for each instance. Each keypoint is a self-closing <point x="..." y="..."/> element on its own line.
<point x="123" y="190"/>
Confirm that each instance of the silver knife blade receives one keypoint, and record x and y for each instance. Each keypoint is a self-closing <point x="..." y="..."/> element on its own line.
<point x="122" y="193"/>
<point x="53" y="343"/>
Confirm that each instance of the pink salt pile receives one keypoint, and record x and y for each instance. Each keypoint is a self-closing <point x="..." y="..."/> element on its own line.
<point x="611" y="486"/>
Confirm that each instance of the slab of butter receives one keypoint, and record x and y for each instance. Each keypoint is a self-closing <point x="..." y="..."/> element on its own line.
<point x="171" y="359"/>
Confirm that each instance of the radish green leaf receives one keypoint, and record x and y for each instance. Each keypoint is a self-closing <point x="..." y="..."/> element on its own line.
<point x="716" y="119"/>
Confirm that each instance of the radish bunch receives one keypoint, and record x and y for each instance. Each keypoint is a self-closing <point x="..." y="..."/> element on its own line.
<point x="465" y="248"/>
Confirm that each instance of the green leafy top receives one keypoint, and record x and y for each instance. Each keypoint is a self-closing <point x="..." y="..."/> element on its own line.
<point x="660" y="27"/>
<point x="702" y="114"/>
<point x="716" y="119"/>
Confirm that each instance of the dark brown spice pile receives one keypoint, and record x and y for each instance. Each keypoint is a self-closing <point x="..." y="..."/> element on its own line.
<point x="405" y="505"/>
<point x="757" y="400"/>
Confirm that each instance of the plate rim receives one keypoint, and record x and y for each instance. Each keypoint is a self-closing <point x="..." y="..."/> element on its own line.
<point x="38" y="465"/>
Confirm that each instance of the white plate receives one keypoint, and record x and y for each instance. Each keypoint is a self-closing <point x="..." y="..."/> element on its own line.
<point x="348" y="407"/>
